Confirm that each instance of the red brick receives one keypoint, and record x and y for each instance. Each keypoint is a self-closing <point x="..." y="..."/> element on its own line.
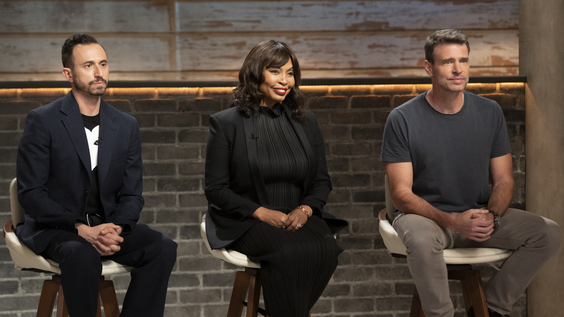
<point x="10" y="138"/>
<point x="197" y="296"/>
<point x="351" y="149"/>
<point x="120" y="104"/>
<point x="8" y="155"/>
<point x="158" y="136"/>
<point x="199" y="264"/>
<point x="178" y="216"/>
<point x="187" y="168"/>
<point x="369" y="102"/>
<point x="336" y="133"/>
<point x="159" y="200"/>
<point x="178" y="120"/>
<point x="155" y="105"/>
<point x="351" y="117"/>
<point x="327" y="102"/>
<point x="373" y="289"/>
<point x="399" y="100"/>
<point x="18" y="106"/>
<point x="178" y="184"/>
<point x="368" y="196"/>
<point x="8" y="122"/>
<point x="482" y="88"/>
<point x="145" y="120"/>
<point x="367" y="133"/>
<point x="193" y="136"/>
<point x="351" y="180"/>
<point x="200" y="104"/>
<point x="218" y="279"/>
<point x="506" y="101"/>
<point x="193" y="200"/>
<point x="177" y="152"/>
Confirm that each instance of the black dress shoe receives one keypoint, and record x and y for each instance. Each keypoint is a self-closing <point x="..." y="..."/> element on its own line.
<point x="490" y="312"/>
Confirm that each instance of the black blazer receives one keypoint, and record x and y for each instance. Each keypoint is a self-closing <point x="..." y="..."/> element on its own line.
<point x="53" y="167"/>
<point x="235" y="186"/>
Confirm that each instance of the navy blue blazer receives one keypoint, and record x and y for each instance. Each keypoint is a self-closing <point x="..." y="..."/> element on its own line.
<point x="234" y="185"/>
<point x="53" y="167"/>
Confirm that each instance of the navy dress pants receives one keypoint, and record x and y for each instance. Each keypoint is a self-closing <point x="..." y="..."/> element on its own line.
<point x="149" y="252"/>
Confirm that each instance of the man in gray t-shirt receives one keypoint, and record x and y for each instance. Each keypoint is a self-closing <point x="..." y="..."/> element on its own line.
<point x="440" y="150"/>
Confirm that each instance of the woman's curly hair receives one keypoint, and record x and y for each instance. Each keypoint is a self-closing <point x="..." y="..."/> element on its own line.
<point x="247" y="97"/>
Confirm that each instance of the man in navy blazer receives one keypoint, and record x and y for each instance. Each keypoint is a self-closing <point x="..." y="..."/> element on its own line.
<point x="80" y="181"/>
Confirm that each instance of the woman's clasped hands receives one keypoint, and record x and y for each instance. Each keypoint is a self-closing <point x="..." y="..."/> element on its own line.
<point x="293" y="221"/>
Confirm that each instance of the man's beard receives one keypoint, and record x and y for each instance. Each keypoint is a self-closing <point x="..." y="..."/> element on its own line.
<point x="99" y="91"/>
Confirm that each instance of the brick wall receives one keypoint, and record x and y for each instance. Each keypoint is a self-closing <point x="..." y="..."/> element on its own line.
<point x="174" y="128"/>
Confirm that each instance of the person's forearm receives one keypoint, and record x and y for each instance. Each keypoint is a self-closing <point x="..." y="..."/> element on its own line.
<point x="409" y="203"/>
<point x="500" y="197"/>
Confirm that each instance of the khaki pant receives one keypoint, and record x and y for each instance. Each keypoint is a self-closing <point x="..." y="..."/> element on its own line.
<point x="534" y="240"/>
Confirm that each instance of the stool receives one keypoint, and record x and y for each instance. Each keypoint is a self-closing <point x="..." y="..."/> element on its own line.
<point x="459" y="267"/>
<point x="247" y="283"/>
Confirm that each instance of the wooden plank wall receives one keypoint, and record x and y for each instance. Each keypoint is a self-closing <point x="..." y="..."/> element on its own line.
<point x="208" y="40"/>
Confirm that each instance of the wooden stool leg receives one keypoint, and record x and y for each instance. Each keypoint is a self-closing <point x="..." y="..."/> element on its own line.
<point x="466" y="294"/>
<point x="47" y="298"/>
<point x="52" y="288"/>
<point x="416" y="309"/>
<point x="472" y="289"/>
<point x="109" y="298"/>
<point x="239" y="294"/>
<point x="61" y="305"/>
<point x="254" y="292"/>
<point x="476" y="293"/>
<point x="99" y="308"/>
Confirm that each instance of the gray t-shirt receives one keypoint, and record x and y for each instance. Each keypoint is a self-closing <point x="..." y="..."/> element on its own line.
<point x="450" y="153"/>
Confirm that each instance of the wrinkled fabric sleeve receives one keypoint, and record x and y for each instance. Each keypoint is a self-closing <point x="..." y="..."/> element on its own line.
<point x="318" y="193"/>
<point x="219" y="194"/>
<point x="130" y="200"/>
<point x="33" y="172"/>
<point x="395" y="140"/>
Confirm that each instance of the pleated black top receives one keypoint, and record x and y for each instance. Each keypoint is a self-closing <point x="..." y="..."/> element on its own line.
<point x="282" y="158"/>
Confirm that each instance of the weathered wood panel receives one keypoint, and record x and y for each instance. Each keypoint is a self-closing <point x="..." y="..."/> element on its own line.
<point x="224" y="52"/>
<point x="300" y="16"/>
<point x="343" y="51"/>
<point x="31" y="54"/>
<point x="201" y="40"/>
<point x="83" y="16"/>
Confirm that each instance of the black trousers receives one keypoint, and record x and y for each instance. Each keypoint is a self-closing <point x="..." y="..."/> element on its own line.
<point x="150" y="253"/>
<point x="295" y="266"/>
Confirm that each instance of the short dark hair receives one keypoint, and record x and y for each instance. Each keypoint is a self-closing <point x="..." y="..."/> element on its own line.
<point x="70" y="43"/>
<point x="446" y="36"/>
<point x="247" y="97"/>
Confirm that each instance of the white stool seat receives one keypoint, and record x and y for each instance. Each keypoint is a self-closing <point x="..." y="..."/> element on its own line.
<point x="229" y="256"/>
<point x="25" y="259"/>
<point x="452" y="256"/>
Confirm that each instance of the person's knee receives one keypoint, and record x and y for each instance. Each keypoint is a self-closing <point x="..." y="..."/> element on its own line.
<point x="553" y="235"/>
<point x="168" y="249"/>
<point x="82" y="257"/>
<point x="421" y="234"/>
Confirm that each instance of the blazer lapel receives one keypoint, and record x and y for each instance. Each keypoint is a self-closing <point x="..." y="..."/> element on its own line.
<point x="312" y="162"/>
<point x="252" y="153"/>
<point x="108" y="136"/>
<point x="75" y="128"/>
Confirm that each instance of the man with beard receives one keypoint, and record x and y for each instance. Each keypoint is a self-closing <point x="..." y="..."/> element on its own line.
<point x="440" y="150"/>
<point x="80" y="180"/>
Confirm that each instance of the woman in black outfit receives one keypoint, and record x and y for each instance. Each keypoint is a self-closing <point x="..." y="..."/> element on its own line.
<point x="267" y="182"/>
